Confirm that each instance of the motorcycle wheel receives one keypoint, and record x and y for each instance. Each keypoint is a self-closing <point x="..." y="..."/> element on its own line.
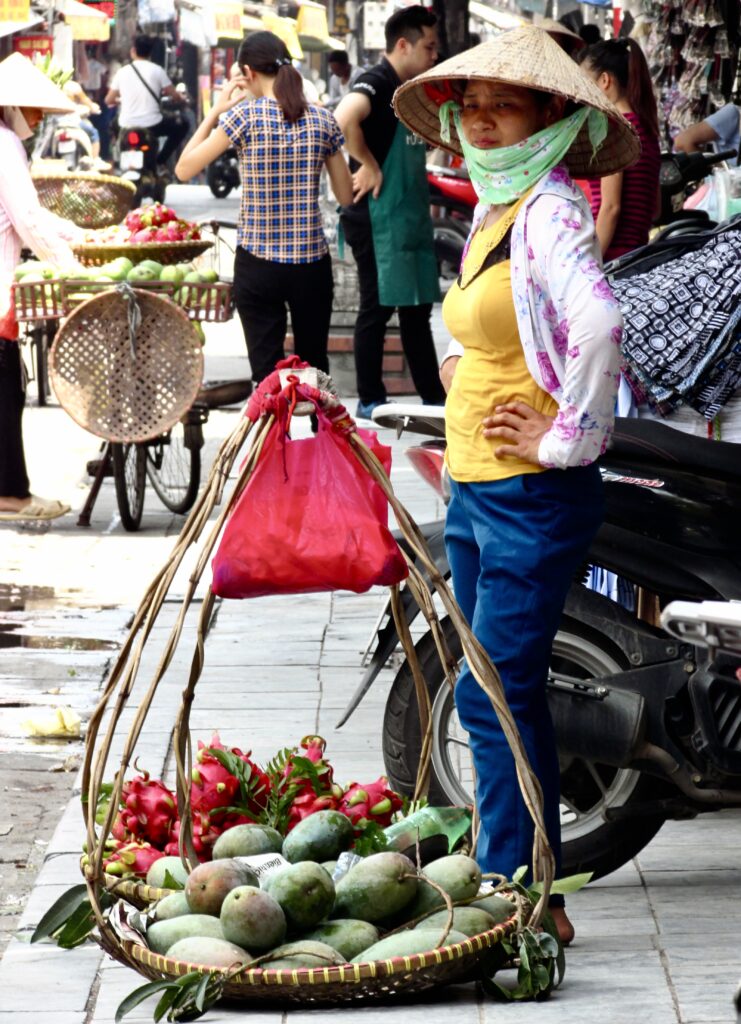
<point x="590" y="841"/>
<point x="220" y="186"/>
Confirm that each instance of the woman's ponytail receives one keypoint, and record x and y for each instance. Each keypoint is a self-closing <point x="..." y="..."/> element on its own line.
<point x="624" y="60"/>
<point x="265" y="53"/>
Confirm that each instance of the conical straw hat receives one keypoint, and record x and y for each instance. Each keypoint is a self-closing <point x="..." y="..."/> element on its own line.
<point x="553" y="27"/>
<point x="23" y="85"/>
<point x="526" y="57"/>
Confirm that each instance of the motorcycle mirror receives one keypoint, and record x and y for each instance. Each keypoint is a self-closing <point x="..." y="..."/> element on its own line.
<point x="417" y="419"/>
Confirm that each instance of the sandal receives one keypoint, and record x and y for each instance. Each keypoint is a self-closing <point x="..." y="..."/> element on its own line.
<point x="37" y="509"/>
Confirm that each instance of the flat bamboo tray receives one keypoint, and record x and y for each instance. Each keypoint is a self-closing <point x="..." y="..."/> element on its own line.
<point x="91" y="254"/>
<point x="87" y="199"/>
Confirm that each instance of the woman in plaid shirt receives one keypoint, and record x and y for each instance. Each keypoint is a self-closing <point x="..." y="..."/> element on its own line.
<point x="282" y="256"/>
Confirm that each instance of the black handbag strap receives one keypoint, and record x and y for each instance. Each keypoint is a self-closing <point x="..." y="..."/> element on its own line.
<point x="146" y="84"/>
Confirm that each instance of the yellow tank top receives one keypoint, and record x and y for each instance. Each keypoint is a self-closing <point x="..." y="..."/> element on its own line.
<point x="480" y="314"/>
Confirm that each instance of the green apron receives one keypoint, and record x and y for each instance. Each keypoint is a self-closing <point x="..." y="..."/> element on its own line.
<point x="402" y="230"/>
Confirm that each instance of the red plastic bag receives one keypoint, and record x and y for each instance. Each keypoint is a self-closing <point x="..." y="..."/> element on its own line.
<point x="309" y="519"/>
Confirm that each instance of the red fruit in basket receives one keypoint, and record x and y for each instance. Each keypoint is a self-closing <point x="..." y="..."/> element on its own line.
<point x="373" y="801"/>
<point x="134" y="221"/>
<point x="205" y="834"/>
<point x="145" y="235"/>
<point x="149" y="811"/>
<point x="215" y="788"/>
<point x="132" y="859"/>
<point x="308" y="803"/>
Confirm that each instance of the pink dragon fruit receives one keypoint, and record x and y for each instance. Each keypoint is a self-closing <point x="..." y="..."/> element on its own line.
<point x="148" y="812"/>
<point x="132" y="859"/>
<point x="309" y="803"/>
<point x="373" y="801"/>
<point x="214" y="788"/>
<point x="205" y="834"/>
<point x="307" y="800"/>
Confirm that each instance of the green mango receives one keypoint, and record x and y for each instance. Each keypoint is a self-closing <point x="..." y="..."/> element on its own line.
<point x="209" y="276"/>
<point x="457" y="875"/>
<point x="163" y="934"/>
<point x="252" y="918"/>
<point x="152" y="265"/>
<point x="208" y="884"/>
<point x="305" y="892"/>
<point x="468" y="920"/>
<point x="378" y="887"/>
<point x="246" y="840"/>
<point x="303" y="953"/>
<point x="208" y="952"/>
<point x="497" y="907"/>
<point x="172" y="865"/>
<point x="141" y="273"/>
<point x="407" y="944"/>
<point x="174" y="905"/>
<point x="320" y="836"/>
<point x="348" y="937"/>
<point x="172" y="273"/>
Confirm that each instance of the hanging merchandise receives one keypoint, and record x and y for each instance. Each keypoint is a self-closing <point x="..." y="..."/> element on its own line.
<point x="153" y="12"/>
<point x="692" y="50"/>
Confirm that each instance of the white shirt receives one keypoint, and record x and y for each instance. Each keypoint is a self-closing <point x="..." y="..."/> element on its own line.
<point x="139" y="108"/>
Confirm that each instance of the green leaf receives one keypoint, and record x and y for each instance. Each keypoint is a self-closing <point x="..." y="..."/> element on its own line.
<point x="133" y="999"/>
<point x="564" y="886"/>
<point x="171" y="883"/>
<point x="169" y="996"/>
<point x="371" y="840"/>
<point x="59" y="912"/>
<point x="520" y="874"/>
<point x="77" y="927"/>
<point x="200" y="996"/>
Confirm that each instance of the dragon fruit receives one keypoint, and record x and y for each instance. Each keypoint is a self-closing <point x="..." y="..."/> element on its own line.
<point x="314" y="789"/>
<point x="214" y="788"/>
<point x="373" y="801"/>
<point x="205" y="834"/>
<point x="148" y="811"/>
<point x="132" y="859"/>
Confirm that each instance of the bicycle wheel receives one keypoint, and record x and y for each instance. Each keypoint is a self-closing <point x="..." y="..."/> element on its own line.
<point x="174" y="466"/>
<point x="129" y="475"/>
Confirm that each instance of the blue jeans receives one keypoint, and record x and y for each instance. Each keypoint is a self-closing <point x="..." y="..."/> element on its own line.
<point x="514" y="546"/>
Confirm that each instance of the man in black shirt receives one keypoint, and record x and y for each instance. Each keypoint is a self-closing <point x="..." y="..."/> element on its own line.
<point x="388" y="227"/>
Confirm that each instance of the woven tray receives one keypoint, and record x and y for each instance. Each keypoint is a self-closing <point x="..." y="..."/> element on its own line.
<point x="38" y="300"/>
<point x="75" y="292"/>
<point x="92" y="255"/>
<point x="88" y="200"/>
<point x="351" y="983"/>
<point x="113" y="394"/>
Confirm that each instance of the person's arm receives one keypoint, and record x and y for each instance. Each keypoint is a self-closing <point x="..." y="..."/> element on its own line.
<point x="171" y="92"/>
<point x="585" y="318"/>
<point x="609" y="210"/>
<point x="112" y="97"/>
<point x="210" y="140"/>
<point x="694" y="137"/>
<point x="350" y="113"/>
<point x="340" y="178"/>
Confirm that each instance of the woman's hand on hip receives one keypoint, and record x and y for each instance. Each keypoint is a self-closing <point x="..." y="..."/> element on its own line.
<point x="367" y="179"/>
<point x="521" y="429"/>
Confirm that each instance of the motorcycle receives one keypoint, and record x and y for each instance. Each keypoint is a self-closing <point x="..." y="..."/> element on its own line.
<point x="63" y="138"/>
<point x="136" y="158"/>
<point x="223" y="174"/>
<point x="648" y="728"/>
<point x="454" y="197"/>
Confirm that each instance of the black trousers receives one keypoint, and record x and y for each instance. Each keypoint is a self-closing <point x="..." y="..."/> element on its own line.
<point x="13" y="476"/>
<point x="264" y="291"/>
<point x="173" y="131"/>
<point x="370" y="326"/>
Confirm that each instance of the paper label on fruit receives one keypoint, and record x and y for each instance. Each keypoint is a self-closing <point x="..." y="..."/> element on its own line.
<point x="308" y="375"/>
<point x="264" y="864"/>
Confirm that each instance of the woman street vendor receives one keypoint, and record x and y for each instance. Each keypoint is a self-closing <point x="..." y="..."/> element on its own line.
<point x="23" y="221"/>
<point x="531" y="378"/>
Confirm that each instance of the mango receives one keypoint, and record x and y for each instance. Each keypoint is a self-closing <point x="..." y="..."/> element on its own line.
<point x="174" y="905"/>
<point x="406" y="944"/>
<point x="303" y="953"/>
<point x="497" y="907"/>
<point x="172" y="273"/>
<point x="172" y="865"/>
<point x="209" y="276"/>
<point x="163" y="934"/>
<point x="377" y="887"/>
<point x="320" y="836"/>
<point x="348" y="937"/>
<point x="152" y="265"/>
<point x="247" y="840"/>
<point x="305" y="892"/>
<point x="209" y="884"/>
<point x="458" y="875"/>
<point x="252" y="918"/>
<point x="468" y="920"/>
<point x="141" y="273"/>
<point x="209" y="952"/>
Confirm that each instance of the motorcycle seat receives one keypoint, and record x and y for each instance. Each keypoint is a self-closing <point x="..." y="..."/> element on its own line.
<point x="655" y="443"/>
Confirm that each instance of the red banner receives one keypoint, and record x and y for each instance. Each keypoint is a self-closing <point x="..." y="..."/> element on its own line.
<point x="29" y="46"/>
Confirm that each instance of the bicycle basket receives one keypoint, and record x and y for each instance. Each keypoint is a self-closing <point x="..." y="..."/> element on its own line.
<point x="125" y="385"/>
<point x="88" y="200"/>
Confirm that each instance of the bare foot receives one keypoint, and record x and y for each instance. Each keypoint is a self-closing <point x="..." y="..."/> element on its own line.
<point x="564" y="927"/>
<point x="13" y="504"/>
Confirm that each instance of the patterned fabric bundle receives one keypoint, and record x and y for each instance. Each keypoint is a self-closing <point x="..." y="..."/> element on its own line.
<point x="682" y="339"/>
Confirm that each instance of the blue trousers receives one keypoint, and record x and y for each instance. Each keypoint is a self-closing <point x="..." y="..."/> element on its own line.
<point x="514" y="546"/>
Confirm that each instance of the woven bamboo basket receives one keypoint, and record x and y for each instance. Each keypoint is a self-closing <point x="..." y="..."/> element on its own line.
<point x="88" y="200"/>
<point x="331" y="985"/>
<point x="126" y="381"/>
<point x="91" y="254"/>
<point x="325" y="986"/>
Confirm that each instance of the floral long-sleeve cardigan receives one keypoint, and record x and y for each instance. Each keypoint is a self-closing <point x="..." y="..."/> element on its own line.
<point x="569" y="322"/>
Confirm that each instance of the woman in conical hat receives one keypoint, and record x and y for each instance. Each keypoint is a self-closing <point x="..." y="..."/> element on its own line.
<point x="25" y="95"/>
<point x="531" y="379"/>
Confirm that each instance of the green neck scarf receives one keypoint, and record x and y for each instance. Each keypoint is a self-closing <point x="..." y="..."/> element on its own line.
<point x="502" y="176"/>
